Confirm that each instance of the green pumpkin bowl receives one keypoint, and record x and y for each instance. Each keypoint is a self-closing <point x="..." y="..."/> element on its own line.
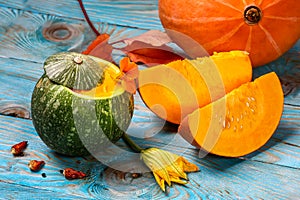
<point x="78" y="106"/>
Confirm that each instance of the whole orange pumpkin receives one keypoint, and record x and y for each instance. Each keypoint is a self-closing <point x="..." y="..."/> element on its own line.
<point x="264" y="28"/>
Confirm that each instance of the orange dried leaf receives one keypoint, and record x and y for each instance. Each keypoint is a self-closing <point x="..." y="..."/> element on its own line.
<point x="126" y="65"/>
<point x="131" y="72"/>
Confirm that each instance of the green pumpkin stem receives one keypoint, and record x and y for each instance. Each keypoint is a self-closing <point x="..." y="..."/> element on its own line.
<point x="136" y="148"/>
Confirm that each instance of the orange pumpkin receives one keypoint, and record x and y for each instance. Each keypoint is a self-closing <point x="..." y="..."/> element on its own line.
<point x="240" y="122"/>
<point x="264" y="28"/>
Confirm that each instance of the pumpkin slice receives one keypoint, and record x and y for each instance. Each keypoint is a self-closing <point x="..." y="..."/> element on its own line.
<point x="174" y="90"/>
<point x="239" y="123"/>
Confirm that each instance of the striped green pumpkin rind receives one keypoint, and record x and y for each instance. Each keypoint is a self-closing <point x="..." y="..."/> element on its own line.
<point x="68" y="123"/>
<point x="74" y="70"/>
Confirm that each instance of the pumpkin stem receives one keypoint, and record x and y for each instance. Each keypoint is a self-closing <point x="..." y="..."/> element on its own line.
<point x="252" y="15"/>
<point x="78" y="60"/>
<point x="136" y="148"/>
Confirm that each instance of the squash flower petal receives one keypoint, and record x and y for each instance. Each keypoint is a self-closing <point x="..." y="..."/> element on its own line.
<point x="167" y="167"/>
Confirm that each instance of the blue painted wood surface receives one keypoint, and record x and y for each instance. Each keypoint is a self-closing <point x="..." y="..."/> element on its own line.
<point x="27" y="37"/>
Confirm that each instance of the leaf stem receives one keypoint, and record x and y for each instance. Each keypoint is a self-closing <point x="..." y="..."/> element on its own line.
<point x="88" y="19"/>
<point x="136" y="148"/>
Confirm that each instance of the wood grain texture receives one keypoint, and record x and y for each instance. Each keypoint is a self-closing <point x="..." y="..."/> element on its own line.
<point x="31" y="30"/>
<point x="281" y="149"/>
<point x="15" y="191"/>
<point x="33" y="37"/>
<point x="29" y="36"/>
<point x="219" y="177"/>
<point x="288" y="69"/>
<point x="141" y="14"/>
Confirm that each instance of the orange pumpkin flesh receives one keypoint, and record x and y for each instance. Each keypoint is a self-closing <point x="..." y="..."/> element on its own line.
<point x="264" y="28"/>
<point x="174" y="90"/>
<point x="239" y="123"/>
<point x="110" y="88"/>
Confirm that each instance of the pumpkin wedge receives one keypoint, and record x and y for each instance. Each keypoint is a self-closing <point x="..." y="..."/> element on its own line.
<point x="240" y="122"/>
<point x="174" y="90"/>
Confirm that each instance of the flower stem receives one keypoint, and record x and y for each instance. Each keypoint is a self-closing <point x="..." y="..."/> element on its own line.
<point x="87" y="18"/>
<point x="136" y="148"/>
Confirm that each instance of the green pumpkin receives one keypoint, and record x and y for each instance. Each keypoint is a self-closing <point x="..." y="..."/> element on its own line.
<point x="68" y="114"/>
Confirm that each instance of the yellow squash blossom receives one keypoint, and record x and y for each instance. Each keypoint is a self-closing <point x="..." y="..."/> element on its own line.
<point x="167" y="167"/>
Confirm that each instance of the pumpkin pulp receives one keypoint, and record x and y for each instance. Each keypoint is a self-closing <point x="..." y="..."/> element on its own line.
<point x="239" y="123"/>
<point x="109" y="87"/>
<point x="174" y="90"/>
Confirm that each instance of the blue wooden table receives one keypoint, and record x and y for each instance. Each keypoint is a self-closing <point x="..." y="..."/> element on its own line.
<point x="31" y="30"/>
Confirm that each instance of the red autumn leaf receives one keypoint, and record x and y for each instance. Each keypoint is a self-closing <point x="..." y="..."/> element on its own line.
<point x="145" y="52"/>
<point x="149" y="48"/>
<point x="100" y="48"/>
<point x="150" y="55"/>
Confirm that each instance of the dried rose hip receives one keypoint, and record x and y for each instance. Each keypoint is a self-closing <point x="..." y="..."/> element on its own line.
<point x="70" y="174"/>
<point x="18" y="149"/>
<point x="35" y="165"/>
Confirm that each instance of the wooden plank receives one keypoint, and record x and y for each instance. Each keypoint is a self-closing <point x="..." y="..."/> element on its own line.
<point x="33" y="36"/>
<point x="288" y="69"/>
<point x="283" y="147"/>
<point x="141" y="14"/>
<point x="249" y="177"/>
<point x="15" y="169"/>
<point x="14" y="72"/>
<point x="19" y="77"/>
<point x="142" y="116"/>
<point x="15" y="191"/>
<point x="219" y="177"/>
